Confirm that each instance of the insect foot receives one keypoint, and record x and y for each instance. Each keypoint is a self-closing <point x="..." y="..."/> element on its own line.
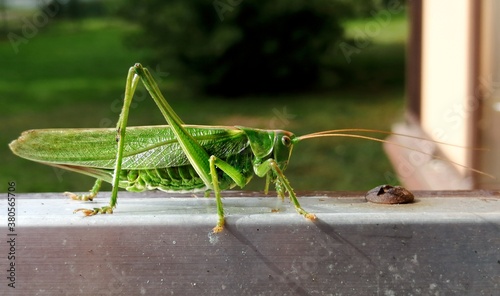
<point x="83" y="197"/>
<point x="95" y="211"/>
<point x="220" y="225"/>
<point x="218" y="228"/>
<point x="310" y="216"/>
<point x="304" y="213"/>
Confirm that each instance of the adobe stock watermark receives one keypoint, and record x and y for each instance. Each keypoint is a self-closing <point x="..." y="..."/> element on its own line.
<point x="223" y="6"/>
<point x="116" y="107"/>
<point x="281" y="118"/>
<point x="452" y="119"/>
<point x="119" y="283"/>
<point x="32" y="25"/>
<point x="140" y="95"/>
<point x="304" y="268"/>
<point x="421" y="155"/>
<point x="380" y="20"/>
<point x="327" y="254"/>
<point x="454" y="116"/>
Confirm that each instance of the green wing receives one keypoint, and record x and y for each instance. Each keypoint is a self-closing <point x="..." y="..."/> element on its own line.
<point x="146" y="147"/>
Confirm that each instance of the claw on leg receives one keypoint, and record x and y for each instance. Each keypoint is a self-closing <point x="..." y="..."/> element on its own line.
<point x="304" y="213"/>
<point x="86" y="212"/>
<point x="220" y="225"/>
<point x="83" y="197"/>
<point x="95" y="211"/>
<point x="218" y="229"/>
<point x="89" y="196"/>
<point x="310" y="216"/>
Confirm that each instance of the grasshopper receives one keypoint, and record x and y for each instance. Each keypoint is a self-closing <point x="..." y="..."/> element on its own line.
<point x="173" y="157"/>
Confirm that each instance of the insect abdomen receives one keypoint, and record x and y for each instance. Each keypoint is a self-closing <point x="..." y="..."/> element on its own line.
<point x="183" y="178"/>
<point x="166" y="179"/>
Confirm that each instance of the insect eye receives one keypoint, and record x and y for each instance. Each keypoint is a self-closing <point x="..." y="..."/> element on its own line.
<point x="286" y="141"/>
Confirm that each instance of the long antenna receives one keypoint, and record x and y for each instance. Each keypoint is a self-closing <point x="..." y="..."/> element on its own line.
<point x="343" y="133"/>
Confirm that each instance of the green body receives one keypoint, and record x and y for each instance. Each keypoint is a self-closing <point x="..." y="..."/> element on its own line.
<point x="152" y="157"/>
<point x="174" y="157"/>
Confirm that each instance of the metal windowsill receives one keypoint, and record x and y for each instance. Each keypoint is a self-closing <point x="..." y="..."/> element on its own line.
<point x="446" y="242"/>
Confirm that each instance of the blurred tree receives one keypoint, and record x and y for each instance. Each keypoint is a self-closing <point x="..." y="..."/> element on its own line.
<point x="3" y="14"/>
<point x="236" y="47"/>
<point x="77" y="9"/>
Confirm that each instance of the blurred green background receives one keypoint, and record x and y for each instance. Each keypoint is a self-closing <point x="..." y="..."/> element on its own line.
<point x="294" y="65"/>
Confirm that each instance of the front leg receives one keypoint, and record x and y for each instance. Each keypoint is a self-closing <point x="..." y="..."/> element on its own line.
<point x="264" y="168"/>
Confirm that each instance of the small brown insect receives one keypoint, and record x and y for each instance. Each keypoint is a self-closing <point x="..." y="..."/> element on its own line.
<point x="387" y="194"/>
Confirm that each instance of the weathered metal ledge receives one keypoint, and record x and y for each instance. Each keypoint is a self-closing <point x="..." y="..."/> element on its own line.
<point x="445" y="243"/>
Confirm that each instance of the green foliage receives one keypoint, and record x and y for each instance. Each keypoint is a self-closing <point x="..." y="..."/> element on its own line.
<point x="238" y="47"/>
<point x="77" y="9"/>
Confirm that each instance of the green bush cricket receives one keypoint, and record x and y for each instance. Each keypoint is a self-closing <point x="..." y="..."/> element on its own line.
<point x="173" y="157"/>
